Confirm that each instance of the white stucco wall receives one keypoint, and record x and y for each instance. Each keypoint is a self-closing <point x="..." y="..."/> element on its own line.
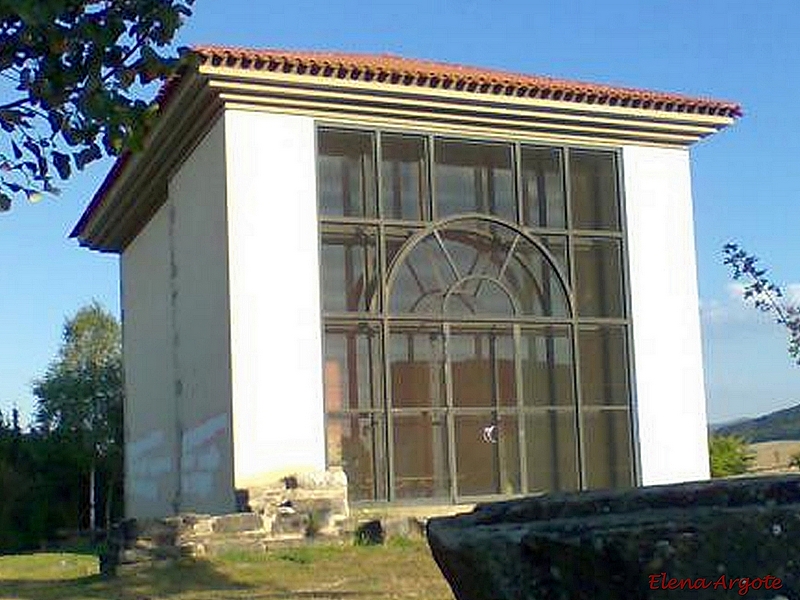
<point x="278" y="414"/>
<point x="150" y="434"/>
<point x="176" y="342"/>
<point x="201" y="316"/>
<point x="669" y="391"/>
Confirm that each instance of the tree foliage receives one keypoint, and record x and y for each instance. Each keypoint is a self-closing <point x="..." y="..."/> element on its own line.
<point x="80" y="397"/>
<point x="45" y="471"/>
<point x="43" y="488"/>
<point x="81" y="393"/>
<point x="75" y="72"/>
<point x="765" y="295"/>
<point x="728" y="455"/>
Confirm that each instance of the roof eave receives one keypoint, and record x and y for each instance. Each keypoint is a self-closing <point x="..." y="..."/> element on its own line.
<point x="111" y="219"/>
<point x="136" y="185"/>
<point x="401" y="71"/>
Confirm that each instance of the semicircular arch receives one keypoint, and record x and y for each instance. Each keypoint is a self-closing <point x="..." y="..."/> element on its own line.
<point x="473" y="248"/>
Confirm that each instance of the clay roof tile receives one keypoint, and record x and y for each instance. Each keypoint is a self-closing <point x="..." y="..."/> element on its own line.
<point x="425" y="73"/>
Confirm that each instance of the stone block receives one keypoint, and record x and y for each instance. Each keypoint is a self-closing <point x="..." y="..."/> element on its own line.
<point x="237" y="522"/>
<point x="203" y="526"/>
<point x="295" y="523"/>
<point x="333" y="478"/>
<point x="703" y="540"/>
<point x="403" y="527"/>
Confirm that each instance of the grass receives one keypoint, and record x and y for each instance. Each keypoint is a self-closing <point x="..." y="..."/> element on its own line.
<point x="400" y="570"/>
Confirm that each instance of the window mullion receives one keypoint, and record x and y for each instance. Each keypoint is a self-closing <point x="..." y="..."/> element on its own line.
<point x="576" y="364"/>
<point x="430" y="205"/>
<point x="518" y="410"/>
<point x="449" y="417"/>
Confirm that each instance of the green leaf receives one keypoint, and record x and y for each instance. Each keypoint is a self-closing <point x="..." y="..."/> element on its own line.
<point x="9" y="119"/>
<point x="41" y="163"/>
<point x="87" y="155"/>
<point x="55" y="121"/>
<point x="62" y="164"/>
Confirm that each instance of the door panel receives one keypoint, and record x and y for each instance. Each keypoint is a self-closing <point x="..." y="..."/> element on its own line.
<point x="482" y="368"/>
<point x="482" y="382"/>
<point x="487" y="454"/>
<point x="420" y="455"/>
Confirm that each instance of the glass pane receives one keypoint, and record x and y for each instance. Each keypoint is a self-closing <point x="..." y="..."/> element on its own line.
<point x="420" y="456"/>
<point x="604" y="366"/>
<point x="598" y="277"/>
<point x="543" y="188"/>
<point x="552" y="457"/>
<point x="416" y="364"/>
<point x="487" y="454"/>
<point x="349" y="271"/>
<point x="357" y="444"/>
<point x="533" y="281"/>
<point x="482" y="368"/>
<point x="404" y="177"/>
<point x="471" y="177"/>
<point x="557" y="245"/>
<point x="352" y="376"/>
<point x="479" y="296"/>
<point x="593" y="181"/>
<point x="422" y="279"/>
<point x="395" y="238"/>
<point x="346" y="171"/>
<point x="547" y="367"/>
<point x="607" y="449"/>
<point x="477" y="248"/>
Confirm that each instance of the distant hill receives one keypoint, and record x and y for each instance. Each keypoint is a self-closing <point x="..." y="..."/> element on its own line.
<point x="779" y="425"/>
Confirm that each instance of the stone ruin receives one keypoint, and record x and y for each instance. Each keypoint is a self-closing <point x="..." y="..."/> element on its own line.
<point x="288" y="511"/>
<point x="285" y="511"/>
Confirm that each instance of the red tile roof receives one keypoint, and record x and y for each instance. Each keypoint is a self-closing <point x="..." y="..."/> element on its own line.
<point x="387" y="68"/>
<point x="395" y="70"/>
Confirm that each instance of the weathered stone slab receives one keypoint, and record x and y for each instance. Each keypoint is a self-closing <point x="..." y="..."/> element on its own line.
<point x="718" y="539"/>
<point x="237" y="522"/>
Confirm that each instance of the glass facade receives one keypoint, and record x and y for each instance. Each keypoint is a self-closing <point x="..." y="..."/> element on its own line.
<point x="475" y="316"/>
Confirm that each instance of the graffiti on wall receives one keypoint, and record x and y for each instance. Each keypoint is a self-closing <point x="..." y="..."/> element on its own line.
<point x="201" y="458"/>
<point x="146" y="464"/>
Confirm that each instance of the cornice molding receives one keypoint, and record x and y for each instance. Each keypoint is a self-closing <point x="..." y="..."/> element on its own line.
<point x="137" y="185"/>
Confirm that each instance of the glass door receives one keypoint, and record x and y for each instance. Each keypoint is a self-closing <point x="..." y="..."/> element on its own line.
<point x="481" y="374"/>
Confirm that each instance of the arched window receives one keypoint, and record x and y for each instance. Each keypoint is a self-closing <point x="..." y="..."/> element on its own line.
<point x="476" y="266"/>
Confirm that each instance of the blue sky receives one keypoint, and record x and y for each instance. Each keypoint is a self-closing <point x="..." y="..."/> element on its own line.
<point x="746" y="181"/>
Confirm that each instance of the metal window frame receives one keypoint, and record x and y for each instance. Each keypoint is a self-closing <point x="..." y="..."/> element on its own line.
<point x="385" y="321"/>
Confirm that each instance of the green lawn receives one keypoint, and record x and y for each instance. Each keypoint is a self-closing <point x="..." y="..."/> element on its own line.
<point x="401" y="570"/>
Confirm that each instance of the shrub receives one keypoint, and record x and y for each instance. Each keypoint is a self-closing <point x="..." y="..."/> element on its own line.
<point x="729" y="455"/>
